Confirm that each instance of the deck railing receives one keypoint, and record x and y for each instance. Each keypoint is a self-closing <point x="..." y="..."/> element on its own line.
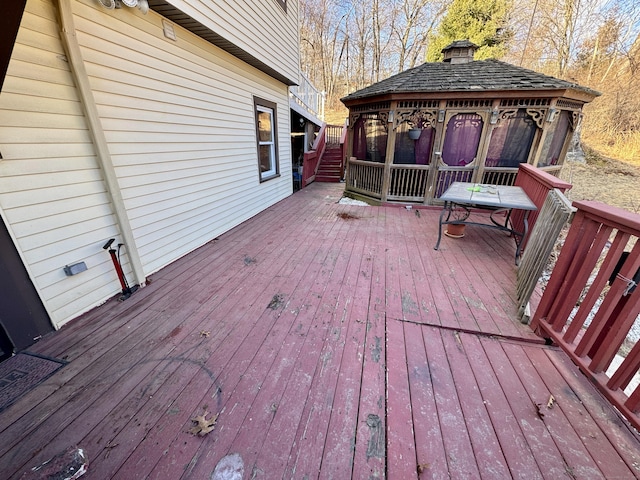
<point x="593" y="285"/>
<point x="537" y="183"/>
<point x="311" y="159"/>
<point x="553" y="217"/>
<point x="308" y="96"/>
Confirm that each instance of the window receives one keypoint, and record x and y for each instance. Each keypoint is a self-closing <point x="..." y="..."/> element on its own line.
<point x="283" y="4"/>
<point x="266" y="133"/>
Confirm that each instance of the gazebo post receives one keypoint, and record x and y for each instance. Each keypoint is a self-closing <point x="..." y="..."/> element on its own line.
<point x="391" y="145"/>
<point x="438" y="139"/>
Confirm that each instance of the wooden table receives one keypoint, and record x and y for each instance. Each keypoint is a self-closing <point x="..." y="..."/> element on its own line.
<point x="460" y="197"/>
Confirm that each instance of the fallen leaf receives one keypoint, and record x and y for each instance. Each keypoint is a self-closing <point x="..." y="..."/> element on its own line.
<point x="423" y="466"/>
<point x="551" y="401"/>
<point x="205" y="333"/>
<point x="539" y="411"/>
<point x="203" y="426"/>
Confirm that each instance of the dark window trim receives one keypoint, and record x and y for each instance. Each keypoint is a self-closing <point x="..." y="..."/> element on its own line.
<point x="283" y="4"/>
<point x="261" y="102"/>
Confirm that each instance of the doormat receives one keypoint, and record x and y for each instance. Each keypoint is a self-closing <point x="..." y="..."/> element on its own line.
<point x="22" y="372"/>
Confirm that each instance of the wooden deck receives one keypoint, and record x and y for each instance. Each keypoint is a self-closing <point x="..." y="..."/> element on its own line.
<point x="334" y="342"/>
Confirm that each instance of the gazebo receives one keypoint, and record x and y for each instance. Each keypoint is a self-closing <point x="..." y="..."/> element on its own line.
<point x="461" y="119"/>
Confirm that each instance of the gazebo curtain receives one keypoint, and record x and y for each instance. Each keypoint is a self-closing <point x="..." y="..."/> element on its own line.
<point x="511" y="141"/>
<point x="462" y="139"/>
<point x="369" y="139"/>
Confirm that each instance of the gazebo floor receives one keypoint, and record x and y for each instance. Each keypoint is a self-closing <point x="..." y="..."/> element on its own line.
<point x="332" y="341"/>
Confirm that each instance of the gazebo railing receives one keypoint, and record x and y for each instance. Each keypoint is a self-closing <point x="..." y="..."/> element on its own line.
<point x="448" y="175"/>
<point x="408" y="182"/>
<point x="499" y="176"/>
<point x="365" y="177"/>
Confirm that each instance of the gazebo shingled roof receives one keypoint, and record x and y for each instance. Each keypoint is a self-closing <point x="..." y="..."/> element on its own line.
<point x="478" y="75"/>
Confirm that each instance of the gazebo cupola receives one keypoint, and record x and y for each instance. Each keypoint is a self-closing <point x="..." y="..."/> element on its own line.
<point x="461" y="119"/>
<point x="460" y="51"/>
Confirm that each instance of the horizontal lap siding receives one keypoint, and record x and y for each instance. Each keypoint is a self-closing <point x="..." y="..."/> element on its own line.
<point x="262" y="29"/>
<point x="179" y="120"/>
<point x="52" y="194"/>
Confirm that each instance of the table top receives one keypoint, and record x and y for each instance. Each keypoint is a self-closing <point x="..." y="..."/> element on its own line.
<point x="498" y="196"/>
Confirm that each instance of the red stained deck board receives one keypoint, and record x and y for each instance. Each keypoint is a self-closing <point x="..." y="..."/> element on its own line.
<point x="544" y="449"/>
<point x="408" y="223"/>
<point x="573" y="450"/>
<point x="616" y="452"/>
<point x="401" y="444"/>
<point x="311" y="432"/>
<point x="280" y="444"/>
<point x="369" y="457"/>
<point x="461" y="461"/>
<point x="251" y="386"/>
<point x="515" y="448"/>
<point x="341" y="438"/>
<point x="485" y="294"/>
<point x="486" y="446"/>
<point x="430" y="450"/>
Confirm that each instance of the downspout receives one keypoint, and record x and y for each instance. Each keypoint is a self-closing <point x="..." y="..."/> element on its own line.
<point x="76" y="63"/>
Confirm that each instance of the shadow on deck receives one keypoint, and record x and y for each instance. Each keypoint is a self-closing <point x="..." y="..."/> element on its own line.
<point x="333" y="342"/>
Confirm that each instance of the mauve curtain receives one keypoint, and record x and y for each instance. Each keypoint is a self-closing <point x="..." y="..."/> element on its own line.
<point x="511" y="141"/>
<point x="462" y="139"/>
<point x="359" y="139"/>
<point x="423" y="146"/>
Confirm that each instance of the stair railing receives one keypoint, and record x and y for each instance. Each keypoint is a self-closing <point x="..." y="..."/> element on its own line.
<point x="311" y="159"/>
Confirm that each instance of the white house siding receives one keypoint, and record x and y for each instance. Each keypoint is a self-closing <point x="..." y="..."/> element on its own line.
<point x="261" y="28"/>
<point x="52" y="195"/>
<point x="178" y="117"/>
<point x="179" y="122"/>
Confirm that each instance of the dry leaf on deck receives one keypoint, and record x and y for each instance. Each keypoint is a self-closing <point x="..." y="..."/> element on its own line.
<point x="551" y="401"/>
<point x="203" y="426"/>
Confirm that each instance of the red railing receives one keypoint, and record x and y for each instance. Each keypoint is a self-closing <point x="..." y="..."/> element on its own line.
<point x="537" y="184"/>
<point x="343" y="149"/>
<point x="594" y="278"/>
<point x="311" y="159"/>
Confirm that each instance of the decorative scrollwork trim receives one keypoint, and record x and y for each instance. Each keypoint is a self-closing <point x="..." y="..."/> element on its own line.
<point x="416" y="118"/>
<point x="538" y="115"/>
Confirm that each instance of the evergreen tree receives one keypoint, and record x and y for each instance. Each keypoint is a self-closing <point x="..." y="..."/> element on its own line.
<point x="484" y="22"/>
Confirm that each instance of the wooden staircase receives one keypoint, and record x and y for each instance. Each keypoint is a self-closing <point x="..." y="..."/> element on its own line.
<point x="330" y="167"/>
